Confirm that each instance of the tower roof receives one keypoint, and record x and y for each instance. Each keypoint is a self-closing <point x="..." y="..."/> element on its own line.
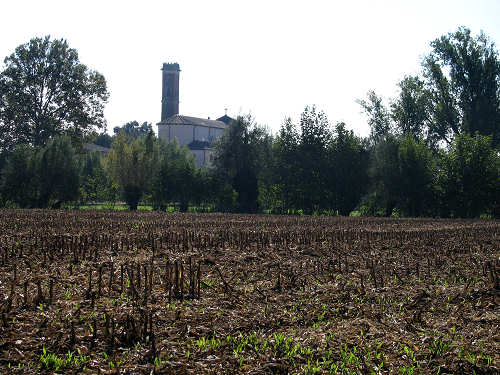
<point x="171" y="66"/>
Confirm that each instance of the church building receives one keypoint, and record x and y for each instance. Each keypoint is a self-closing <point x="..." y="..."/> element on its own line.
<point x="198" y="134"/>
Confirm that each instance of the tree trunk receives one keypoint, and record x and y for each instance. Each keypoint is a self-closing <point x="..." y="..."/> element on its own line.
<point x="132" y="195"/>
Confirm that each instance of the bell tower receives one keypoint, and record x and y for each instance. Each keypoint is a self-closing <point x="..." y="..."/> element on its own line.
<point x="170" y="90"/>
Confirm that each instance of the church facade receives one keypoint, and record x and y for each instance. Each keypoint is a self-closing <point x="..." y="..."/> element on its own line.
<point x="197" y="134"/>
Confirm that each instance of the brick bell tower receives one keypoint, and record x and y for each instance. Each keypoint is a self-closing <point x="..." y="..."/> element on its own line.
<point x="170" y="90"/>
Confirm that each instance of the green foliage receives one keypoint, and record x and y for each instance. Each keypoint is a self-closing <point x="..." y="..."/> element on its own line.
<point x="18" y="183"/>
<point x="316" y="170"/>
<point x="104" y="140"/>
<point x="315" y="137"/>
<point x="385" y="173"/>
<point x="470" y="177"/>
<point x="348" y="169"/>
<point x="133" y="130"/>
<point x="310" y="167"/>
<point x="458" y="94"/>
<point x="402" y="171"/>
<point x="176" y="177"/>
<point x="45" y="91"/>
<point x="417" y="168"/>
<point x="279" y="193"/>
<point x="239" y="161"/>
<point x="95" y="185"/>
<point x="162" y="172"/>
<point x="58" y="173"/>
<point x="463" y="75"/>
<point x="379" y="117"/>
<point x="411" y="110"/>
<point x="131" y="165"/>
<point x="39" y="178"/>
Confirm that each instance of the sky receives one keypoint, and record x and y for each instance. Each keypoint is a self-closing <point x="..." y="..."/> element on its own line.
<point x="267" y="58"/>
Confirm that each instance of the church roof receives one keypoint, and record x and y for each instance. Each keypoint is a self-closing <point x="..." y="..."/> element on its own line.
<point x="225" y="119"/>
<point x="188" y="120"/>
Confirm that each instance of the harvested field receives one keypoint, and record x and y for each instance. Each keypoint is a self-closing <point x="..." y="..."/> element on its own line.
<point x="122" y="292"/>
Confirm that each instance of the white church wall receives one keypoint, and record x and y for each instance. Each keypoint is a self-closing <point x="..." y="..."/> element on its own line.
<point x="201" y="133"/>
<point x="163" y="132"/>
<point x="215" y="133"/>
<point x="183" y="133"/>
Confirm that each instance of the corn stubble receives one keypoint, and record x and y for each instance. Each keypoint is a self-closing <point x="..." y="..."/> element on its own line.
<point x="121" y="292"/>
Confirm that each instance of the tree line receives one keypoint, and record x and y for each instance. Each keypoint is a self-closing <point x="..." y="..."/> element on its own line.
<point x="433" y="150"/>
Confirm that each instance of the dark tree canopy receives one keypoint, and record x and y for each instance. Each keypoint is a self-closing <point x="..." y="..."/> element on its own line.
<point x="45" y="91"/>
<point x="315" y="168"/>
<point x="315" y="137"/>
<point x="130" y="165"/>
<point x="347" y="169"/>
<point x="379" y="117"/>
<point x="470" y="177"/>
<point x="58" y="172"/>
<point x="104" y="140"/>
<point x="433" y="149"/>
<point x="132" y="129"/>
<point x="238" y="160"/>
<point x="410" y="111"/>
<point x="18" y="178"/>
<point x="42" y="177"/>
<point x="463" y="74"/>
<point x="176" y="177"/>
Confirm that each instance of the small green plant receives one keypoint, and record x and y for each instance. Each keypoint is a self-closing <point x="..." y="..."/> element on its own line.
<point x="438" y="348"/>
<point x="158" y="362"/>
<point x="208" y="282"/>
<point x="202" y="343"/>
<point x="312" y="367"/>
<point x="50" y="360"/>
<point x="407" y="370"/>
<point x="410" y="355"/>
<point x="81" y="359"/>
